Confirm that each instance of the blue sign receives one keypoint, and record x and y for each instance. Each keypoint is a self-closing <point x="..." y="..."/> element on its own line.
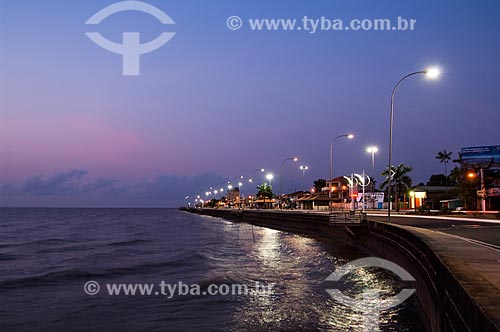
<point x="484" y="153"/>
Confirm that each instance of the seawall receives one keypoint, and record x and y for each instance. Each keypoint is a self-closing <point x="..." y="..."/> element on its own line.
<point x="457" y="282"/>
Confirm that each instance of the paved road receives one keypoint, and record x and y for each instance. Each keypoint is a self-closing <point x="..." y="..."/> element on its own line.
<point x="484" y="231"/>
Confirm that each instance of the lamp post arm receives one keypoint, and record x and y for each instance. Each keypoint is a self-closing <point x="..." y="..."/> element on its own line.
<point x="281" y="176"/>
<point x="331" y="153"/>
<point x="389" y="189"/>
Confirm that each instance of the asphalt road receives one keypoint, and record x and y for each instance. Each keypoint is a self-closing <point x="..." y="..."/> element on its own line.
<point x="486" y="232"/>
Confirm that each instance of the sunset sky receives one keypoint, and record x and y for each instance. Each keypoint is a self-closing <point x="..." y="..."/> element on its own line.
<point x="214" y="103"/>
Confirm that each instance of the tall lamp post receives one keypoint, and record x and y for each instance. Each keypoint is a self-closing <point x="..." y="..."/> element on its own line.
<point x="281" y="176"/>
<point x="258" y="170"/>
<point x="372" y="150"/>
<point x="269" y="177"/>
<point x="303" y="169"/>
<point x="349" y="136"/>
<point x="431" y="73"/>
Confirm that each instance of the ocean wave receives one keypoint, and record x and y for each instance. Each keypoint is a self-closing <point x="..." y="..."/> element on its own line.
<point x="81" y="274"/>
<point x="127" y="243"/>
<point x="51" y="241"/>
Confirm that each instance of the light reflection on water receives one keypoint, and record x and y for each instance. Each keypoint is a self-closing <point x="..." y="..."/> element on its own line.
<point x="297" y="267"/>
<point x="47" y="255"/>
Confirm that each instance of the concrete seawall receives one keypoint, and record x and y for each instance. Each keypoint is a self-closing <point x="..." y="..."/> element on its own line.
<point x="458" y="283"/>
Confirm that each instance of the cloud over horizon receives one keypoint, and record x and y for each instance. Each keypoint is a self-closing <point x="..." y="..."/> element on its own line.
<point x="76" y="188"/>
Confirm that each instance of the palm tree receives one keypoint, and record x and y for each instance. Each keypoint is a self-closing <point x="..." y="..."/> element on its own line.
<point x="265" y="191"/>
<point x="400" y="181"/>
<point x="319" y="184"/>
<point x="444" y="157"/>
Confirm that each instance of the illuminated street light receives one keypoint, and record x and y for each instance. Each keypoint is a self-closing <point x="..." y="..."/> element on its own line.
<point x="433" y="73"/>
<point x="349" y="136"/>
<point x="430" y="73"/>
<point x="269" y="177"/>
<point x="281" y="176"/>
<point x="261" y="170"/>
<point x="372" y="150"/>
<point x="303" y="169"/>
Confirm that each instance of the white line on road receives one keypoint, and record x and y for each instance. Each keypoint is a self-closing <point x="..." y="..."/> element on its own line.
<point x="490" y="221"/>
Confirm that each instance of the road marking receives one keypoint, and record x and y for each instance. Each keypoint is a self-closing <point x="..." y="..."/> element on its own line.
<point x="481" y="243"/>
<point x="490" y="221"/>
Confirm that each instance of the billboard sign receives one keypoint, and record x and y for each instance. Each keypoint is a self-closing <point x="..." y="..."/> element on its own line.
<point x="370" y="197"/>
<point x="493" y="192"/>
<point x="481" y="153"/>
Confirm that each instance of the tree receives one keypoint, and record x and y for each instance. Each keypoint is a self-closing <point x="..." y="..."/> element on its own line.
<point x="444" y="157"/>
<point x="438" y="180"/>
<point x="400" y="183"/>
<point x="319" y="184"/>
<point x="465" y="186"/>
<point x="265" y="190"/>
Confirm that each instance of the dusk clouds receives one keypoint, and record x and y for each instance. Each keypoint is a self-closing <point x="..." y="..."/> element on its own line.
<point x="163" y="190"/>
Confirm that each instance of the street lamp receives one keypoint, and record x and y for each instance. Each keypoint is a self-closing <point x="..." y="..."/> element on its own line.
<point x="281" y="177"/>
<point x="349" y="136"/>
<point x="373" y="150"/>
<point x="261" y="170"/>
<point x="269" y="177"/>
<point x="304" y="169"/>
<point x="431" y="73"/>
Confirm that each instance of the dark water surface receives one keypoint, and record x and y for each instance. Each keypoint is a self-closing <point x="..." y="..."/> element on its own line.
<point x="47" y="255"/>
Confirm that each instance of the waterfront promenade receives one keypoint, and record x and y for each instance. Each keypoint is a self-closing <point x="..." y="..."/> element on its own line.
<point x="458" y="277"/>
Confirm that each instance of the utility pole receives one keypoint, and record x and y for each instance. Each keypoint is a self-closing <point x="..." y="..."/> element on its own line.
<point x="483" y="191"/>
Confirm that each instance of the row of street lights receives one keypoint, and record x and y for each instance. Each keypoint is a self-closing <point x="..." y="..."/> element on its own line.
<point x="432" y="73"/>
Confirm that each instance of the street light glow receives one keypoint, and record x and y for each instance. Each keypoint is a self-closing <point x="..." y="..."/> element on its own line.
<point x="269" y="176"/>
<point x="295" y="159"/>
<point x="350" y="136"/>
<point x="433" y="73"/>
<point x="304" y="167"/>
<point x="372" y="149"/>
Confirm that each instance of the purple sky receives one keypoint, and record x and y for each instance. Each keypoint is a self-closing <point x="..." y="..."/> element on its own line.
<point x="214" y="103"/>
